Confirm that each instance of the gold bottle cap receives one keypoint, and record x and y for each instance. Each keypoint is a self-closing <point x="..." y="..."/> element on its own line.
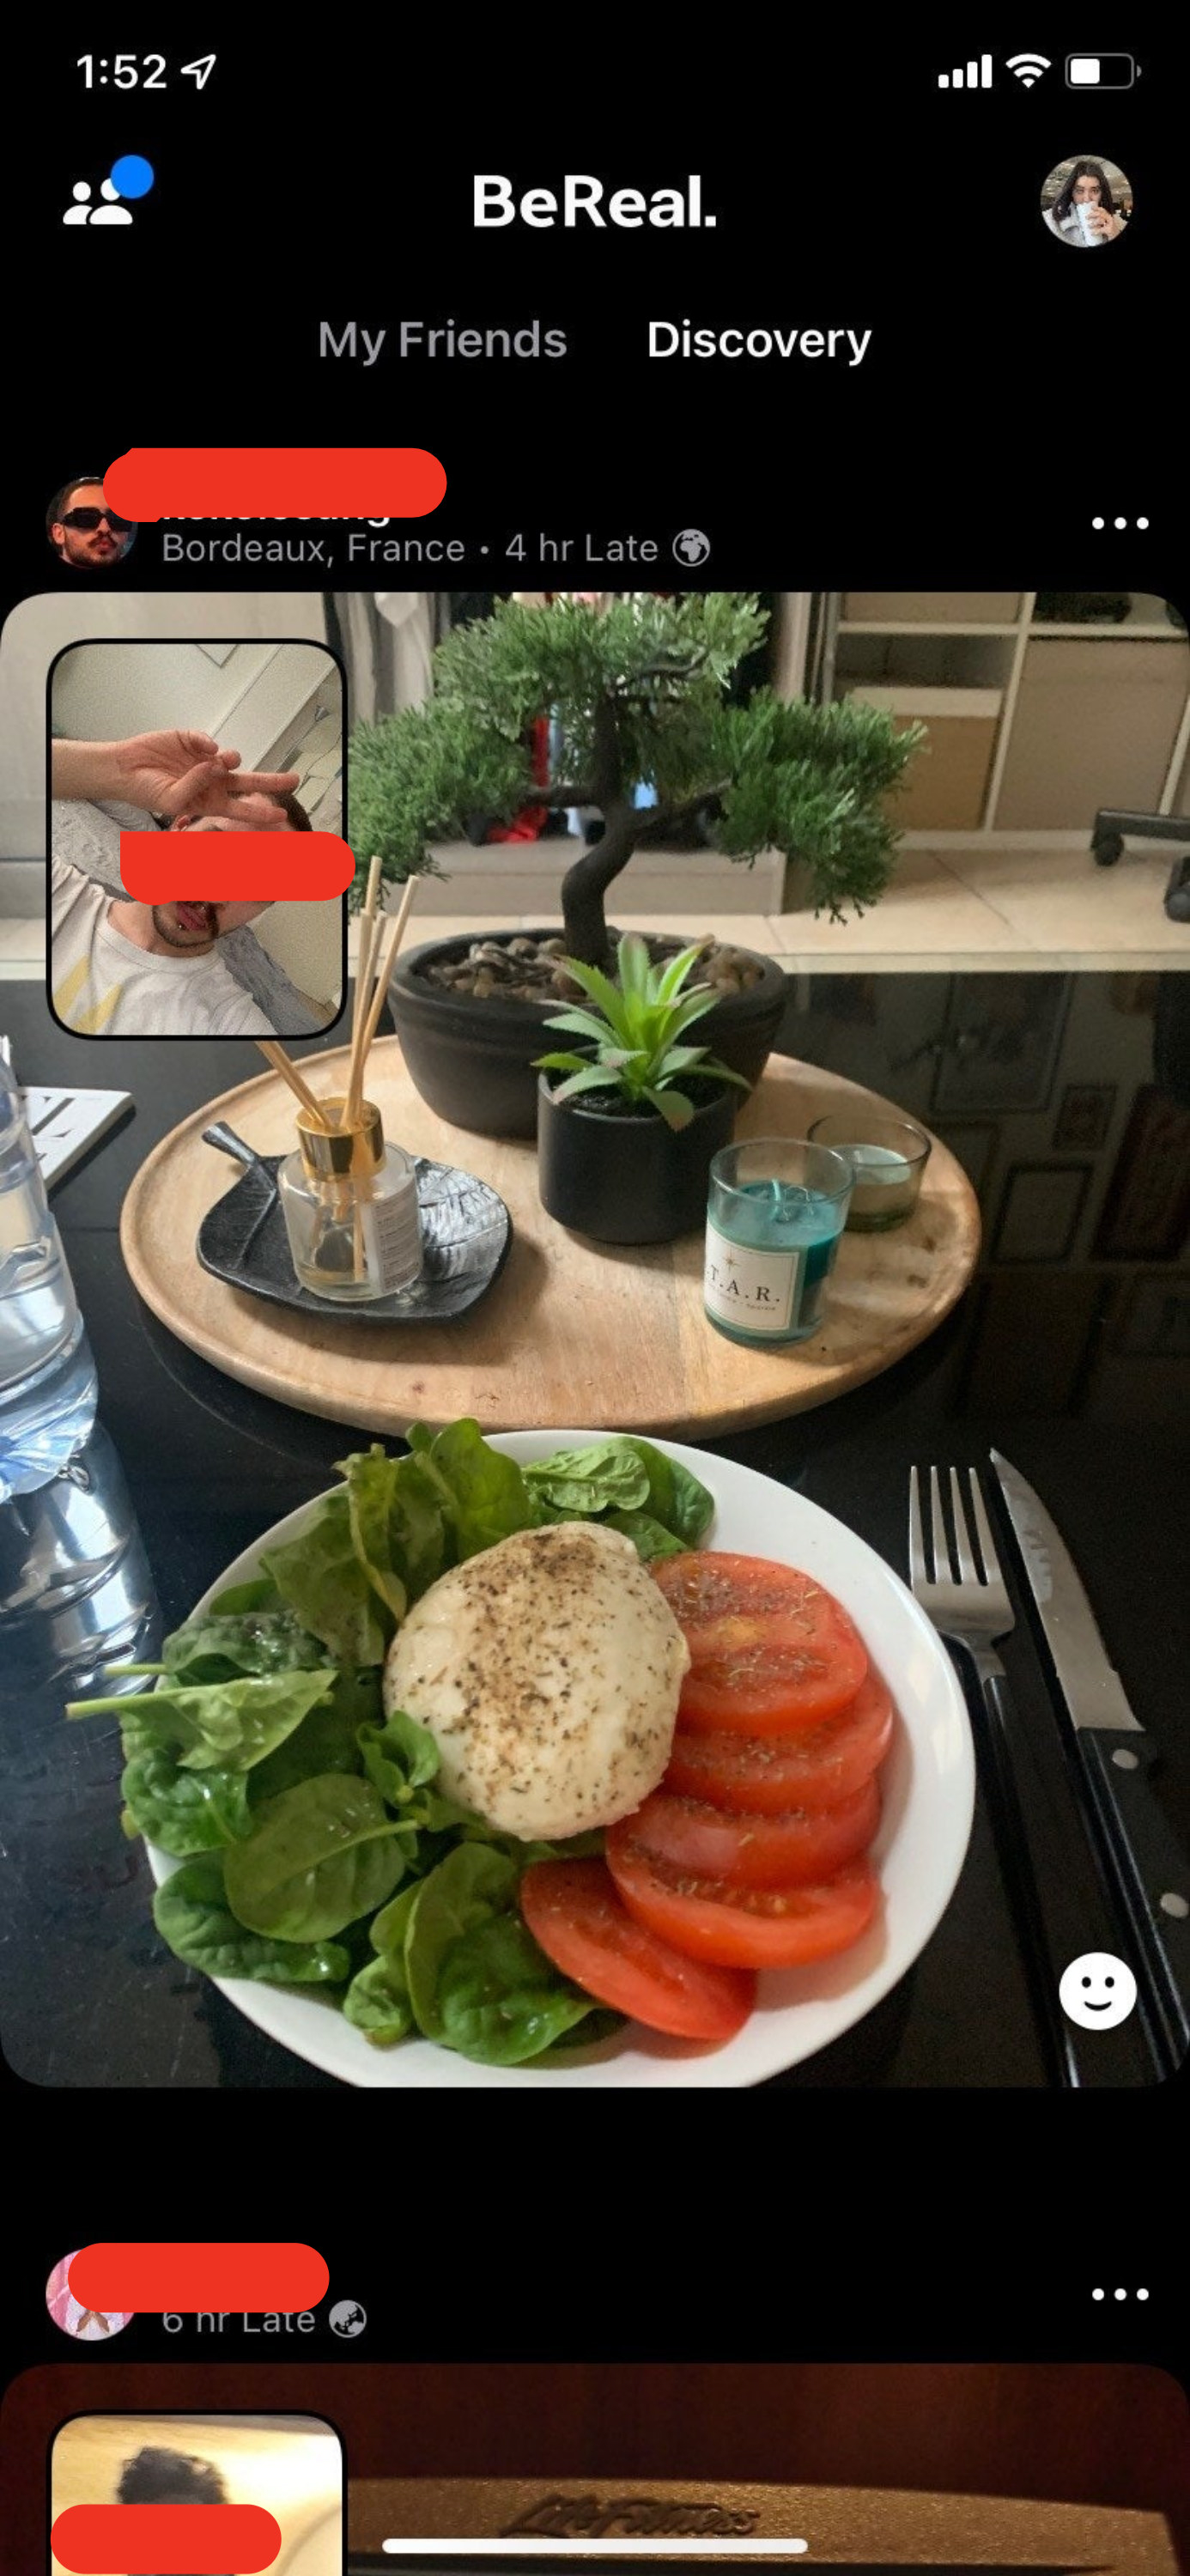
<point x="355" y="1151"/>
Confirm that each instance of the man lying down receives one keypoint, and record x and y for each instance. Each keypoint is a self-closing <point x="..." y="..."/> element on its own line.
<point x="126" y="969"/>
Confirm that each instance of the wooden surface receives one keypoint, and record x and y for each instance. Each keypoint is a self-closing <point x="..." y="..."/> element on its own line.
<point x="573" y="1333"/>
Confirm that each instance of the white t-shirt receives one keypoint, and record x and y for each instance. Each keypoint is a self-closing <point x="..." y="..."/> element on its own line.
<point x="102" y="985"/>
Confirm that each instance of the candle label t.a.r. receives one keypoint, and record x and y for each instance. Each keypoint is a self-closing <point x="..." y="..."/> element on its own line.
<point x="759" y="1290"/>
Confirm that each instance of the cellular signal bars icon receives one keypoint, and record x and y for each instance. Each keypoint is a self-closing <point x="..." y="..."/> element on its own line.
<point x="976" y="76"/>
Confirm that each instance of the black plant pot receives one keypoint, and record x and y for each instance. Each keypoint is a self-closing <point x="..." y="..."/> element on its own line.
<point x="473" y="1061"/>
<point x="628" y="1180"/>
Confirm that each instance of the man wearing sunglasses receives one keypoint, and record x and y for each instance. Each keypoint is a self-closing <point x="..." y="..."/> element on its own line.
<point x="82" y="529"/>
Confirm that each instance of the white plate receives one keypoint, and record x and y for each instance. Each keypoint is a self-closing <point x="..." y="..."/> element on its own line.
<point x="927" y="1782"/>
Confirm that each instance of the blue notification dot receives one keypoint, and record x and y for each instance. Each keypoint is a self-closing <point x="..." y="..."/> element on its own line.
<point x="132" y="175"/>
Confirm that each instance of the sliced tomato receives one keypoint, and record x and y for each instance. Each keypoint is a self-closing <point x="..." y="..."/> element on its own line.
<point x="765" y="1774"/>
<point x="575" y="1915"/>
<point x="776" y="1690"/>
<point x="791" y="1850"/>
<point x="754" y="1927"/>
<point x="769" y="1647"/>
<point x="725" y="1604"/>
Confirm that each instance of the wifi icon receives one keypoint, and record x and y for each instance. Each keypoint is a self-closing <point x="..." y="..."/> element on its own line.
<point x="1027" y="67"/>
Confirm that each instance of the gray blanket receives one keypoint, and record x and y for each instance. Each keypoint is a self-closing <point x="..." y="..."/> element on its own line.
<point x="88" y="838"/>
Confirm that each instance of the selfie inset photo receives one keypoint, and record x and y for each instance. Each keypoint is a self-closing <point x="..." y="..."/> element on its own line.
<point x="198" y="738"/>
<point x="291" y="2466"/>
<point x="1087" y="203"/>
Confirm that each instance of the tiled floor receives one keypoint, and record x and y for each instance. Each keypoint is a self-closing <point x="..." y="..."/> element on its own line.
<point x="949" y="910"/>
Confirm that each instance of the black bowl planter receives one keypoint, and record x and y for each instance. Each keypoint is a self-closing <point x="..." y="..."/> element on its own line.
<point x="624" y="1179"/>
<point x="473" y="1060"/>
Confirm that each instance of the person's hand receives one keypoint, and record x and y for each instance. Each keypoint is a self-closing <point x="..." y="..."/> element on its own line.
<point x="1108" y="227"/>
<point x="187" y="773"/>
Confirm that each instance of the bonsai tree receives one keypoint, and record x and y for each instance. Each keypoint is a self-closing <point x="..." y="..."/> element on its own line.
<point x="637" y="693"/>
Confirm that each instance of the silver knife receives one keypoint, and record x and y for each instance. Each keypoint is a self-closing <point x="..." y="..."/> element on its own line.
<point x="1142" y="1858"/>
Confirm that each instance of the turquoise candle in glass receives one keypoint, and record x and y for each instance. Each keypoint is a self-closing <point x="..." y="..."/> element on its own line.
<point x="776" y="1209"/>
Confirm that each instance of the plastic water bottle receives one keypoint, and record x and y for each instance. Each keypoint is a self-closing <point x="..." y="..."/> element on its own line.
<point x="47" y="1375"/>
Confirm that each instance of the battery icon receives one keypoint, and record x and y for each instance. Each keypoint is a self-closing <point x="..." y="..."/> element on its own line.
<point x="1100" y="71"/>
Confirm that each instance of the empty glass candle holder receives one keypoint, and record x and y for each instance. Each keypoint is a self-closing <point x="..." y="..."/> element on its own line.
<point x="887" y="1158"/>
<point x="775" y="1212"/>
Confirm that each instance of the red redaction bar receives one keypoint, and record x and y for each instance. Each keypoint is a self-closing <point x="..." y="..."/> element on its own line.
<point x="275" y="483"/>
<point x="166" y="2539"/>
<point x="187" y="2279"/>
<point x="225" y="867"/>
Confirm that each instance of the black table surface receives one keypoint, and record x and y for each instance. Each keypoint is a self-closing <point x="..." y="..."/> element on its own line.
<point x="1068" y="1355"/>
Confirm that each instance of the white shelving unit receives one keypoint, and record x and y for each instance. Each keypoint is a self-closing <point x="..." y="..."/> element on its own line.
<point x="1091" y="713"/>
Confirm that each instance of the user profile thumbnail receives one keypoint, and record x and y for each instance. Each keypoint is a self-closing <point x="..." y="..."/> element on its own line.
<point x="1086" y="203"/>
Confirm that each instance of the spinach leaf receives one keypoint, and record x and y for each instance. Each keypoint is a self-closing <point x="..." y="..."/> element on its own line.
<point x="399" y="1757"/>
<point x="192" y="1914"/>
<point x="183" y="1811"/>
<point x="220" y="1725"/>
<point x="387" y="1929"/>
<point x="377" y="2000"/>
<point x="401" y="1761"/>
<point x="485" y="1496"/>
<point x="647" y="1535"/>
<point x="221" y="1646"/>
<point x="323" y="1854"/>
<point x="397" y="1525"/>
<point x="260" y="1594"/>
<point x="498" y="1997"/>
<point x="326" y="1740"/>
<point x="675" y="1497"/>
<point x="322" y="1579"/>
<point x="586" y="1481"/>
<point x="625" y="1478"/>
<point x="477" y="1981"/>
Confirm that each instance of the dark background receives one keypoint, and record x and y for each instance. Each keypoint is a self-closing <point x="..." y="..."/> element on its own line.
<point x="1110" y="2435"/>
<point x="1010" y="391"/>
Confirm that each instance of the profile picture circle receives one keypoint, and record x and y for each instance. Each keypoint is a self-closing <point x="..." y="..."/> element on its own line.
<point x="1086" y="202"/>
<point x="83" y="531"/>
<point x="85" y="2325"/>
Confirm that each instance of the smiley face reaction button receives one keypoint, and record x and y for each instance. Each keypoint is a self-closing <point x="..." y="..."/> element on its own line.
<point x="1097" y="1991"/>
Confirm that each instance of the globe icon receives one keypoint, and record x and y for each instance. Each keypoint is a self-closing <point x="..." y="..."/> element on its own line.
<point x="691" y="546"/>
<point x="348" y="2318"/>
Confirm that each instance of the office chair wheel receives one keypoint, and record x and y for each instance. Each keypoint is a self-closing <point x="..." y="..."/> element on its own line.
<point x="1107" y="850"/>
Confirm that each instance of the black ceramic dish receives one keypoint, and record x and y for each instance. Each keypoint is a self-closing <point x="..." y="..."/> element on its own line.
<point x="466" y="1232"/>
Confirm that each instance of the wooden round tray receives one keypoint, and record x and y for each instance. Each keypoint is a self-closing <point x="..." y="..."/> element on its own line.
<point x="572" y="1331"/>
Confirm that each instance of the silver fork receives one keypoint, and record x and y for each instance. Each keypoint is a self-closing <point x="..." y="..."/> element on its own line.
<point x="974" y="1609"/>
<point x="967" y="1600"/>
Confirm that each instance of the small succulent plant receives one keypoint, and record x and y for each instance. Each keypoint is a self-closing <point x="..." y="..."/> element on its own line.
<point x="634" y="1031"/>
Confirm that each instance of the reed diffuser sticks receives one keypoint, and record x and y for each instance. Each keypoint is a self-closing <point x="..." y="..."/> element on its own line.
<point x="284" y="1065"/>
<point x="370" y="1004"/>
<point x="371" y="990"/>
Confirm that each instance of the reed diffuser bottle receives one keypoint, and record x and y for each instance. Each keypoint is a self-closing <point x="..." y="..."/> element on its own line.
<point x="350" y="1207"/>
<point x="348" y="1199"/>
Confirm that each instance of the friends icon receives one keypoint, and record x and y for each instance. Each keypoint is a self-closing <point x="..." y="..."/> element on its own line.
<point x="130" y="177"/>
